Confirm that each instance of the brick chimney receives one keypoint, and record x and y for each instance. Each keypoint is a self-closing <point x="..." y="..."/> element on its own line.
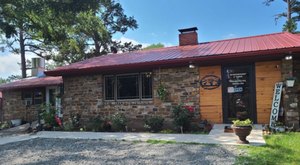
<point x="188" y="36"/>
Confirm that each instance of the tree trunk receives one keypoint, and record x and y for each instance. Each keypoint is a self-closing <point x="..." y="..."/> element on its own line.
<point x="22" y="51"/>
<point x="289" y="12"/>
<point x="96" y="42"/>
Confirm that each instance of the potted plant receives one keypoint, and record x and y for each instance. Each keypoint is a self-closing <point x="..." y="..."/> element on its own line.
<point x="242" y="128"/>
<point x="279" y="127"/>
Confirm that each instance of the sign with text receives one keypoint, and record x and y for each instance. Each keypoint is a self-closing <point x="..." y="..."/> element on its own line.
<point x="276" y="104"/>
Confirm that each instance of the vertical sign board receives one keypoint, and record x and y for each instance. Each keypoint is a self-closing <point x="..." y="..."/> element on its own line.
<point x="275" y="104"/>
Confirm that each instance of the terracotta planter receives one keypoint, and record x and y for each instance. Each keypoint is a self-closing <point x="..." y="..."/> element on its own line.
<point x="242" y="132"/>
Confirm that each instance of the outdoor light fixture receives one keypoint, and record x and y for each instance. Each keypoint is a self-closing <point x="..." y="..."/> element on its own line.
<point x="191" y="66"/>
<point x="288" y="57"/>
<point x="290" y="82"/>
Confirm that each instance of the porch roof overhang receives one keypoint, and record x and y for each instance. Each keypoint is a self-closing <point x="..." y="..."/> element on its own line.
<point x="32" y="83"/>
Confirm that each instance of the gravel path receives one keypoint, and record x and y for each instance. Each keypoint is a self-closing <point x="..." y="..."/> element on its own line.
<point x="70" y="151"/>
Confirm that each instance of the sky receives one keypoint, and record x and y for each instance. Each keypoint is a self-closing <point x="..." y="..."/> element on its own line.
<point x="159" y="21"/>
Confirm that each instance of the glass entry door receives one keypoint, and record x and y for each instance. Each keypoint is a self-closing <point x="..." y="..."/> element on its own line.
<point x="238" y="93"/>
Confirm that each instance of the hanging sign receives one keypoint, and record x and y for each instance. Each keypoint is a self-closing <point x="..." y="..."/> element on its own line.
<point x="275" y="104"/>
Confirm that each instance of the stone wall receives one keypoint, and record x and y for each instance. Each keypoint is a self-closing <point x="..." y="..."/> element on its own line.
<point x="290" y="68"/>
<point x="13" y="107"/>
<point x="182" y="85"/>
<point x="84" y="95"/>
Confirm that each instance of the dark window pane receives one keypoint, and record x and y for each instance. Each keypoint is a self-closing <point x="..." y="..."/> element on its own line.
<point x="38" y="97"/>
<point x="128" y="87"/>
<point x="146" y="85"/>
<point x="109" y="88"/>
<point x="27" y="95"/>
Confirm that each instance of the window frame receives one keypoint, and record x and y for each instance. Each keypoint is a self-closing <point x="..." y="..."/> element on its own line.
<point x="33" y="97"/>
<point x="139" y="74"/>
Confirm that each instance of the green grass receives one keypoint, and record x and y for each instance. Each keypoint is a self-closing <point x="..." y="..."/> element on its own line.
<point x="152" y="141"/>
<point x="280" y="149"/>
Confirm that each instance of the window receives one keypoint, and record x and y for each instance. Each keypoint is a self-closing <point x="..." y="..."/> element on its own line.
<point x="109" y="87"/>
<point x="146" y="86"/>
<point x="35" y="96"/>
<point x="27" y="97"/>
<point x="130" y="86"/>
<point x="38" y="97"/>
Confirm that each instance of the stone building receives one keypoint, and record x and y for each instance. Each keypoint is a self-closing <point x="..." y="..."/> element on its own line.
<point x="23" y="98"/>
<point x="220" y="80"/>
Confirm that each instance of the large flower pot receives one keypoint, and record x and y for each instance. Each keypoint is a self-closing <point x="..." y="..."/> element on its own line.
<point x="242" y="132"/>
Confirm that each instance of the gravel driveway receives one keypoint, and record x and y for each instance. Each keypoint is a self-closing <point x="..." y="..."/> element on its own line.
<point x="70" y="151"/>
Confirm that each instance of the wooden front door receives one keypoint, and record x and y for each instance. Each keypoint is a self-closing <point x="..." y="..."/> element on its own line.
<point x="238" y="93"/>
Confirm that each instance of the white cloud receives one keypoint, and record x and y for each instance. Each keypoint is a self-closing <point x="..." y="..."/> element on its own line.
<point x="9" y="64"/>
<point x="168" y="44"/>
<point x="124" y="39"/>
<point x="230" y="36"/>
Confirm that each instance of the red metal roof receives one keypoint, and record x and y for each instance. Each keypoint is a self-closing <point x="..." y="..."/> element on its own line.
<point x="274" y="44"/>
<point x="31" y="83"/>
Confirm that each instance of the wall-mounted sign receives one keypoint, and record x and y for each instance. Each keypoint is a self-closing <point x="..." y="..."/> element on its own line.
<point x="210" y="82"/>
<point x="237" y="78"/>
<point x="275" y="104"/>
<point x="234" y="89"/>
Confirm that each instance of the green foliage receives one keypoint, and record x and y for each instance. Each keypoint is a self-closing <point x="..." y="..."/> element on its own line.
<point x="119" y="121"/>
<point x="162" y="92"/>
<point x="95" y="124"/>
<point x="182" y="117"/>
<point x="48" y="115"/>
<point x="154" y="46"/>
<point x="154" y="123"/>
<point x="241" y="123"/>
<point x="283" y="148"/>
<point x="290" y="26"/>
<point x="68" y="126"/>
<point x="92" y="31"/>
<point x="152" y="141"/>
<point x="292" y="14"/>
<point x="73" y="123"/>
<point x="3" y="80"/>
<point x="5" y="125"/>
<point x="65" y="31"/>
<point x="167" y="131"/>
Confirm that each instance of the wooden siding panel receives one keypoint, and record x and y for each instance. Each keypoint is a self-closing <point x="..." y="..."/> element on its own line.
<point x="267" y="74"/>
<point x="211" y="100"/>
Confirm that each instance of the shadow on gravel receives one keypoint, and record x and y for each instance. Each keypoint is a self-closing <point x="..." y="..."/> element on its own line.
<point x="70" y="151"/>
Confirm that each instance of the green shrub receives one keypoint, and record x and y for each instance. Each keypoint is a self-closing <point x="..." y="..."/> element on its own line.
<point x="73" y="123"/>
<point x="119" y="121"/>
<point x="182" y="116"/>
<point x="95" y="124"/>
<point x="154" y="123"/>
<point x="5" y="125"/>
<point x="68" y="126"/>
<point x="48" y="115"/>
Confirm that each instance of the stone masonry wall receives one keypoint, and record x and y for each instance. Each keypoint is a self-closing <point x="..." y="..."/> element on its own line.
<point x="14" y="108"/>
<point x="84" y="95"/>
<point x="290" y="94"/>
